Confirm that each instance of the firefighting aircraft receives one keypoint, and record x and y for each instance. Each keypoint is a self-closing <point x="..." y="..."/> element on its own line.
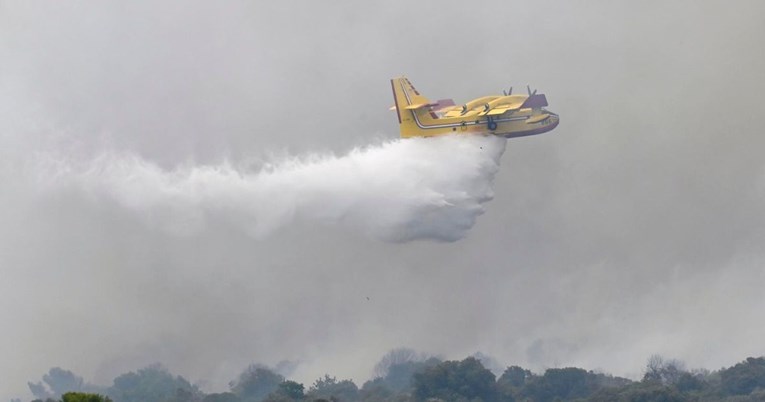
<point x="507" y="116"/>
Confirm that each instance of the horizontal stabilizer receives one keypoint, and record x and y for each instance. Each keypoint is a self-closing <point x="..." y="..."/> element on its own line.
<point x="419" y="106"/>
<point x="443" y="104"/>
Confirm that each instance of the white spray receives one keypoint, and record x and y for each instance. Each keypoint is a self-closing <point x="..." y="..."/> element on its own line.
<point x="402" y="190"/>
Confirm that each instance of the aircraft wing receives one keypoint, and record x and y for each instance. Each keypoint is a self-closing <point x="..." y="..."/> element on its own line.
<point x="497" y="110"/>
<point x="456" y="112"/>
<point x="502" y="109"/>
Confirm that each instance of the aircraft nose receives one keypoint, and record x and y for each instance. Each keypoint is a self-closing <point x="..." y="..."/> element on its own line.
<point x="555" y="119"/>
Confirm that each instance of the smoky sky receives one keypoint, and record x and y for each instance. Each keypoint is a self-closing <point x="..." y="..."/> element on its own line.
<point x="634" y="228"/>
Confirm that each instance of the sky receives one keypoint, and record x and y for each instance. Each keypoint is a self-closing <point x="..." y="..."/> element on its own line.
<point x="634" y="228"/>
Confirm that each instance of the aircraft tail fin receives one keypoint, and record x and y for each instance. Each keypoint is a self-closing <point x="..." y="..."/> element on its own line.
<point x="411" y="107"/>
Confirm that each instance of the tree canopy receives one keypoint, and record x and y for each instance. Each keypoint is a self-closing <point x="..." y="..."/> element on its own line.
<point x="405" y="376"/>
<point x="255" y="383"/>
<point x="153" y="383"/>
<point x="455" y="380"/>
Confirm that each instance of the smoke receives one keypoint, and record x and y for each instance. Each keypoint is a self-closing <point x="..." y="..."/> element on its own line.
<point x="635" y="228"/>
<point x="398" y="191"/>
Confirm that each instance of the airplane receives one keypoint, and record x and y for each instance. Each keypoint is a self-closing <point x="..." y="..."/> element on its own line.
<point x="507" y="116"/>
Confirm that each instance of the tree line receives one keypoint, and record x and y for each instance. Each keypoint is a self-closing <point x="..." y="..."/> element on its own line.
<point x="405" y="376"/>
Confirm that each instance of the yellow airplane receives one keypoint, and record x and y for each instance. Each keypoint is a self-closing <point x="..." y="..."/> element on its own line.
<point x="507" y="116"/>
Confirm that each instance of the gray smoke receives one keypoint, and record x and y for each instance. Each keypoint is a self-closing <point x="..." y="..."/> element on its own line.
<point x="635" y="228"/>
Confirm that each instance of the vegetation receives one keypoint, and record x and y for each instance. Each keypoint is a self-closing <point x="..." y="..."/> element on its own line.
<point x="404" y="376"/>
<point x="83" y="397"/>
<point x="150" y="383"/>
